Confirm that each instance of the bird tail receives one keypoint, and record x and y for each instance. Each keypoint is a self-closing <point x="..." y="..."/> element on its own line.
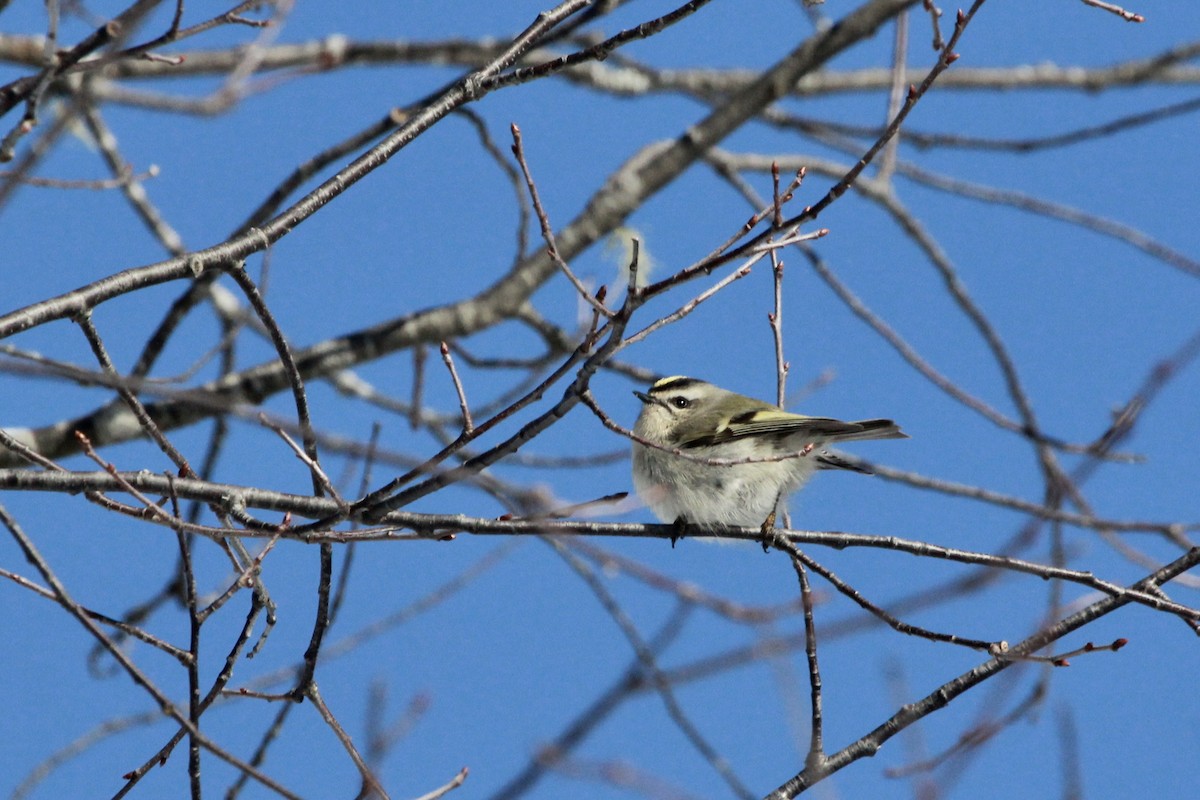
<point x="872" y="429"/>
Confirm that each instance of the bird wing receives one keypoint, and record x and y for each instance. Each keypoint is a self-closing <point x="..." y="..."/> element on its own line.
<point x="776" y="424"/>
<point x="770" y="423"/>
<point x="766" y="423"/>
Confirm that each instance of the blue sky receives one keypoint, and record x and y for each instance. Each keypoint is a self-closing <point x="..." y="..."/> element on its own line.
<point x="507" y="661"/>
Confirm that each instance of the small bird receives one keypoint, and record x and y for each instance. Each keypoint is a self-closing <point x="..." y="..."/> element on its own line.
<point x="704" y="421"/>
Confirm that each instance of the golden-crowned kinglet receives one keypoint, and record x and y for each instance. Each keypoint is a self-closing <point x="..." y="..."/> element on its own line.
<point x="706" y="422"/>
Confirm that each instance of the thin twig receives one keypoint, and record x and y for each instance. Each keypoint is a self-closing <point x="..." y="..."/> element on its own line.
<point x="548" y="230"/>
<point x="887" y="164"/>
<point x="1128" y="16"/>
<point x="468" y="427"/>
<point x="453" y="784"/>
<point x="913" y="712"/>
<point x="316" y="470"/>
<point x="286" y="358"/>
<point x="368" y="777"/>
<point x="147" y="423"/>
<point x="935" y="16"/>
<point x="138" y="677"/>
<point x="816" y="746"/>
<point x="902" y="627"/>
<point x="717" y="761"/>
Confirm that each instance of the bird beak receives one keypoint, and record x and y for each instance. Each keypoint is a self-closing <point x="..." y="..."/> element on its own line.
<point x="645" y="398"/>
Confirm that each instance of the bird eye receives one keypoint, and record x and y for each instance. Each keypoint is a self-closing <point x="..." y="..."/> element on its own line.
<point x="679" y="401"/>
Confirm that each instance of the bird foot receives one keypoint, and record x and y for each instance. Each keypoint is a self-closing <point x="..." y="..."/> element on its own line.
<point x="768" y="532"/>
<point x="679" y="527"/>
